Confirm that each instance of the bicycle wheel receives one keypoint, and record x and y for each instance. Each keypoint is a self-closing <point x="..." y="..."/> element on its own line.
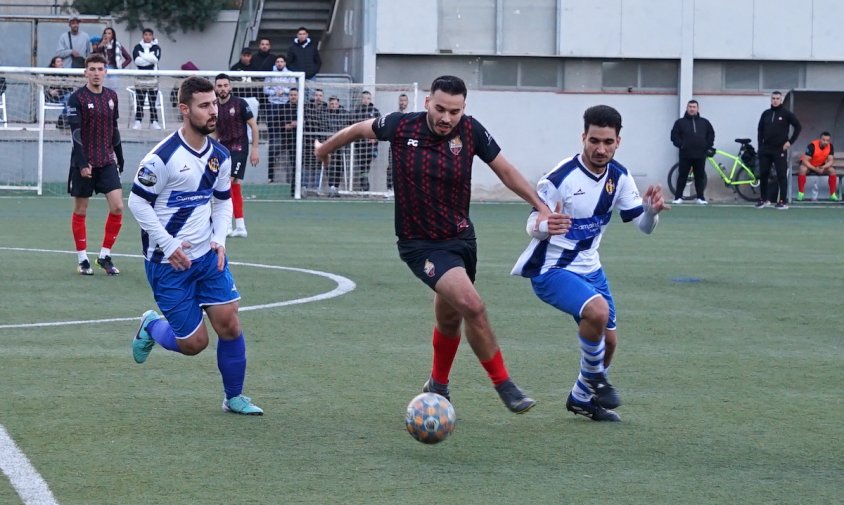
<point x="690" y="182"/>
<point x="747" y="190"/>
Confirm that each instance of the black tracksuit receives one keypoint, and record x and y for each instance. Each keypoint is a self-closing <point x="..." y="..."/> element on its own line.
<point x="693" y="136"/>
<point x="773" y="134"/>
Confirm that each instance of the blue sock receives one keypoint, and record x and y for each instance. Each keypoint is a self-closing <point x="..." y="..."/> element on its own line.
<point x="591" y="367"/>
<point x="231" y="360"/>
<point x="161" y="331"/>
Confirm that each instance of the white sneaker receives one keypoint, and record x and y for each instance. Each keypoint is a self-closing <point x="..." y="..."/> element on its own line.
<point x="155" y="126"/>
<point x="701" y="201"/>
<point x="238" y="232"/>
<point x="677" y="201"/>
<point x="137" y="125"/>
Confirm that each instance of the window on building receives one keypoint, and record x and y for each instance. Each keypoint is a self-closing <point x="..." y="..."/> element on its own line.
<point x="640" y="75"/>
<point x="500" y="72"/>
<point x="741" y="76"/>
<point x="782" y="75"/>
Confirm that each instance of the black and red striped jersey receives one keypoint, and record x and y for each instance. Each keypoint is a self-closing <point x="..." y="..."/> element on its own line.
<point x="231" y="124"/>
<point x="432" y="174"/>
<point x="94" y="116"/>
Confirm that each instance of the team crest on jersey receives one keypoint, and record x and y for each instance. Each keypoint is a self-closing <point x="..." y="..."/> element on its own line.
<point x="231" y="111"/>
<point x="430" y="270"/>
<point x="455" y="145"/>
<point x="214" y="164"/>
<point x="610" y="186"/>
<point x="111" y="104"/>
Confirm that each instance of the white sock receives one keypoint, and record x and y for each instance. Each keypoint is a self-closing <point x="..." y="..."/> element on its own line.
<point x="105" y="252"/>
<point x="240" y="223"/>
<point x="81" y="256"/>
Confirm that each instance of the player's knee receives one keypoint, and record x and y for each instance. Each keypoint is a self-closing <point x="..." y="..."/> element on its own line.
<point x="472" y="307"/>
<point x="194" y="345"/>
<point x="597" y="311"/>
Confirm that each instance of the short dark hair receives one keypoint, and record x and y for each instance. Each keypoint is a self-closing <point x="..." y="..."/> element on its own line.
<point x="334" y="97"/>
<point x="403" y="95"/>
<point x="602" y="116"/>
<point x="191" y="86"/>
<point x="365" y="92"/>
<point x="148" y="30"/>
<point x="449" y="84"/>
<point x="775" y="92"/>
<point x="825" y="134"/>
<point x="222" y="76"/>
<point x="246" y="50"/>
<point x="692" y="101"/>
<point x="302" y="28"/>
<point x="96" y="58"/>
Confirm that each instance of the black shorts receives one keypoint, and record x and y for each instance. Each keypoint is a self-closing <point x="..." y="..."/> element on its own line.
<point x="431" y="259"/>
<point x="103" y="180"/>
<point x="239" y="164"/>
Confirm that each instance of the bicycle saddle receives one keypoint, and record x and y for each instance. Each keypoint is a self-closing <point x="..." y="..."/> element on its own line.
<point x="743" y="142"/>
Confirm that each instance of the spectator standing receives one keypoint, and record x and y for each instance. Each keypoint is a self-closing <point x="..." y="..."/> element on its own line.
<point x="263" y="60"/>
<point x="404" y="107"/>
<point x="774" y="143"/>
<point x="365" y="150"/>
<point x="818" y="159"/>
<point x="186" y="264"/>
<point x="337" y="118"/>
<point x="233" y="117"/>
<point x="436" y="238"/>
<point x="96" y="162"/>
<point x="303" y="55"/>
<point x="277" y="93"/>
<point x="75" y="45"/>
<point x="245" y="62"/>
<point x="116" y="55"/>
<point x="147" y="54"/>
<point x="565" y="270"/>
<point x="694" y="136"/>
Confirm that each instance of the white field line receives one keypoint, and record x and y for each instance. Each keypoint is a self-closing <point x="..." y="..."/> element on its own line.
<point x="26" y="481"/>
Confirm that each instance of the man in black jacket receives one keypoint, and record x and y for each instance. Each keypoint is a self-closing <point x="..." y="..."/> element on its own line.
<point x="694" y="137"/>
<point x="774" y="143"/>
<point x="303" y="55"/>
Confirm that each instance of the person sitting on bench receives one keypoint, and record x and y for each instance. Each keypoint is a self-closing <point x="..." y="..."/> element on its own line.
<point x="818" y="160"/>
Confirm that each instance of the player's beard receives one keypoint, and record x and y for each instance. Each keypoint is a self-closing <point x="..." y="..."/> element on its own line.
<point x="433" y="127"/>
<point x="205" y="129"/>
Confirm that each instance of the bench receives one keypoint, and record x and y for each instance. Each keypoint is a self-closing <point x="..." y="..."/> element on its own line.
<point x="812" y="180"/>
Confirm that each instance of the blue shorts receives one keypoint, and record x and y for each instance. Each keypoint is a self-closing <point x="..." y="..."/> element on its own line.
<point x="570" y="292"/>
<point x="181" y="295"/>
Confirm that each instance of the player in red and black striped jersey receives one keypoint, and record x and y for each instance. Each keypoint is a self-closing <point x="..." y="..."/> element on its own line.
<point x="233" y="118"/>
<point x="432" y="156"/>
<point x="96" y="161"/>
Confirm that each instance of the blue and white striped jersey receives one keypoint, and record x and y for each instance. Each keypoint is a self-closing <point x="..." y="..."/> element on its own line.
<point x="589" y="200"/>
<point x="172" y="197"/>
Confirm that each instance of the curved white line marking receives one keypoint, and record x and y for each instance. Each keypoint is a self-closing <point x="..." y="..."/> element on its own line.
<point x="344" y="286"/>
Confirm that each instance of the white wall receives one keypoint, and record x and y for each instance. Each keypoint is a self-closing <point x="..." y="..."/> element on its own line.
<point x="208" y="50"/>
<point x="536" y="130"/>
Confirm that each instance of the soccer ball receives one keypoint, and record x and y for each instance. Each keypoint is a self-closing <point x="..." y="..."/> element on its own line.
<point x="430" y="418"/>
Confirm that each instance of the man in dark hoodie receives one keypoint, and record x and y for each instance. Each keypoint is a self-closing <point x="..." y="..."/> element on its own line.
<point x="303" y="55"/>
<point x="774" y="143"/>
<point x="694" y="137"/>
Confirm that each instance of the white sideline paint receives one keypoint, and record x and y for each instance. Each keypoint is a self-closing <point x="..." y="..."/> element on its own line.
<point x="26" y="481"/>
<point x="344" y="285"/>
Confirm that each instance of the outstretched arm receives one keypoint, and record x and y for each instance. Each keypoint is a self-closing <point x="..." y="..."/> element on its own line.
<point x="357" y="131"/>
<point x="511" y="177"/>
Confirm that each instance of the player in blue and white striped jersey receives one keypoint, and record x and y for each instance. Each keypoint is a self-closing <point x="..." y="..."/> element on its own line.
<point x="565" y="270"/>
<point x="181" y="199"/>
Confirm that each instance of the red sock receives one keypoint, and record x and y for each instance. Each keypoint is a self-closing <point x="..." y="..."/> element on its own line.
<point x="445" y="349"/>
<point x="833" y="184"/>
<point x="77" y="226"/>
<point x="495" y="368"/>
<point x="801" y="183"/>
<point x="112" y="228"/>
<point x="237" y="201"/>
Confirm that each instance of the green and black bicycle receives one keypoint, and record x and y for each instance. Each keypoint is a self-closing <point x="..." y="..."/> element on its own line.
<point x="742" y="177"/>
